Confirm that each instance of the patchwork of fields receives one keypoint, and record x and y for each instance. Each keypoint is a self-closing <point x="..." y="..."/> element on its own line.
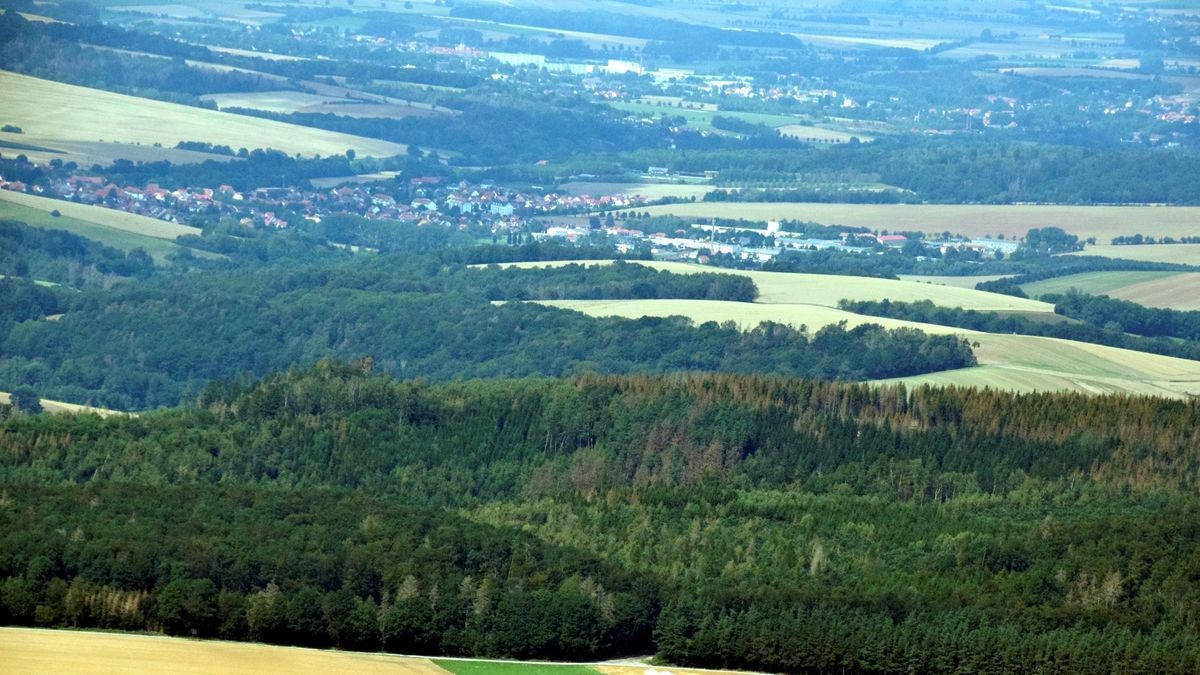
<point x="1184" y="254"/>
<point x="1013" y="362"/>
<point x="1172" y="290"/>
<point x="1102" y="222"/>
<point x="52" y="111"/>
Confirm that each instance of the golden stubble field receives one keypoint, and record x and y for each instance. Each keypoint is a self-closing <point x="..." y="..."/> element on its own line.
<point x="29" y="650"/>
<point x="1101" y="222"/>
<point x="52" y="111"/>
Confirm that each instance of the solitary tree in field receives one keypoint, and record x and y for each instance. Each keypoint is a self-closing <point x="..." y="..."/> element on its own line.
<point x="26" y="400"/>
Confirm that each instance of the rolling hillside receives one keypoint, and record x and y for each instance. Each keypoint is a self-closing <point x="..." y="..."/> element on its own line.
<point x="1012" y="362"/>
<point x="50" y="111"/>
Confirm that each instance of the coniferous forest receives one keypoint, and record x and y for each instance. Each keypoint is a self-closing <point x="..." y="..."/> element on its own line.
<point x="717" y="520"/>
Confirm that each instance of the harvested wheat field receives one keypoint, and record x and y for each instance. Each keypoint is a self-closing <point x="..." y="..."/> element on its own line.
<point x="31" y="650"/>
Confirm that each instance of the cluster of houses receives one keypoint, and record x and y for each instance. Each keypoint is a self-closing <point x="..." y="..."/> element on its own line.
<point x="426" y="200"/>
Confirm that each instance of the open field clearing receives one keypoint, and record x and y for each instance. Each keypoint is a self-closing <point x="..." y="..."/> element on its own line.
<point x="273" y="101"/>
<point x="955" y="282"/>
<point x="1024" y="363"/>
<point x="29" y="650"/>
<point x="647" y="190"/>
<point x="1102" y="222"/>
<point x="1076" y="72"/>
<point x="52" y="110"/>
<point x="1093" y="283"/>
<point x="827" y="289"/>
<point x="266" y="56"/>
<point x="805" y="132"/>
<point x="746" y="315"/>
<point x="1184" y="254"/>
<point x="301" y="102"/>
<point x="1013" y="362"/>
<point x="103" y="225"/>
<point x="57" y="407"/>
<point x="41" y="150"/>
<point x="702" y="118"/>
<point x="98" y="215"/>
<point x="844" y="40"/>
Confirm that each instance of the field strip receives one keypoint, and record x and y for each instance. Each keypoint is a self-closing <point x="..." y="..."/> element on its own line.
<point x="827" y="289"/>
<point x="1183" y="254"/>
<point x="62" y="407"/>
<point x="31" y="650"/>
<point x="98" y="215"/>
<point x="53" y="110"/>
<point x="69" y="652"/>
<point x="746" y="315"/>
<point x="1102" y="222"/>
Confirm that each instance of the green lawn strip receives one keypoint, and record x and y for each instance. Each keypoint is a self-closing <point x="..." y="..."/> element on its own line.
<point x="511" y="668"/>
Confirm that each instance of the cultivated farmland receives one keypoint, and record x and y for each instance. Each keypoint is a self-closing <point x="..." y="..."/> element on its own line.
<point x="746" y="315"/>
<point x="28" y="650"/>
<point x="118" y="229"/>
<point x="647" y="190"/>
<point x="1184" y="254"/>
<point x="1015" y="362"/>
<point x="1102" y="222"/>
<point x="1173" y="290"/>
<point x="55" y="111"/>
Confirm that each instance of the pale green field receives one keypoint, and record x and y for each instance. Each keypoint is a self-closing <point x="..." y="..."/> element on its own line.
<point x="103" y="225"/>
<point x="1184" y="254"/>
<point x="62" y="112"/>
<point x="746" y="315"/>
<point x="1172" y="290"/>
<point x="956" y="282"/>
<point x="703" y="118"/>
<point x="647" y="190"/>
<point x="1092" y="283"/>
<point x="87" y="153"/>
<point x="827" y="289"/>
<point x="806" y="132"/>
<point x="273" y="101"/>
<point x="1102" y="222"/>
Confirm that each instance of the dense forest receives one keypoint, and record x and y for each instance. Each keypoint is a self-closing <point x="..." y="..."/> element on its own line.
<point x="282" y="301"/>
<point x="724" y="521"/>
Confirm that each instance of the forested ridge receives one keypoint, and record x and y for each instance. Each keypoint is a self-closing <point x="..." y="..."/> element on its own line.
<point x="719" y="520"/>
<point x="418" y="315"/>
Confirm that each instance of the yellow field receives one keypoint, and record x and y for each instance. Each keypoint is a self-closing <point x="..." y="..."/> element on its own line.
<point x="1102" y="222"/>
<point x="56" y="111"/>
<point x="1184" y="254"/>
<point x="746" y="315"/>
<point x="1172" y="290"/>
<point x="117" y="220"/>
<point x="28" y="650"/>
